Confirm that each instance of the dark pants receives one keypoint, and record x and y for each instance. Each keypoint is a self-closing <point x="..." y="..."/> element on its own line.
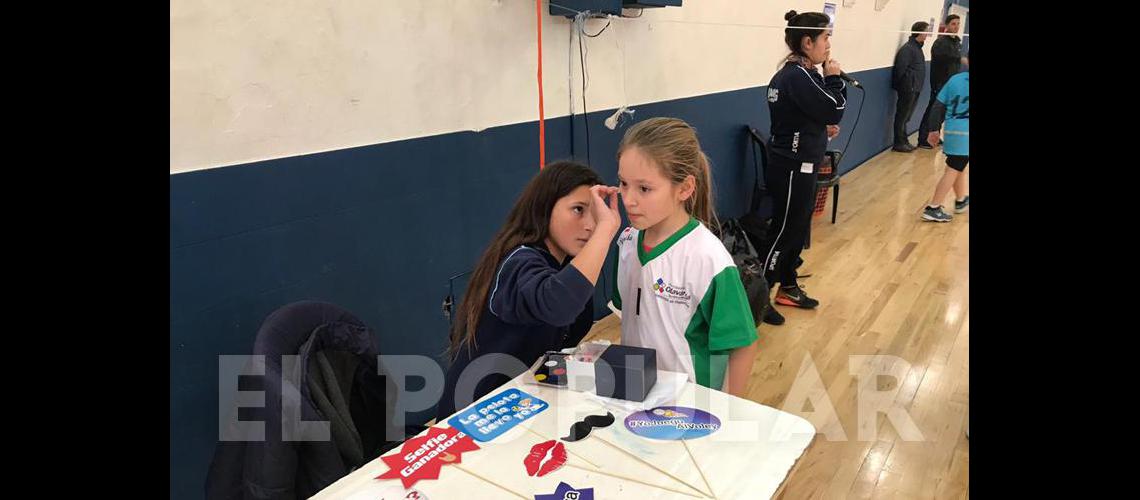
<point x="923" y="128"/>
<point x="958" y="162"/>
<point x="793" y="200"/>
<point x="903" y="110"/>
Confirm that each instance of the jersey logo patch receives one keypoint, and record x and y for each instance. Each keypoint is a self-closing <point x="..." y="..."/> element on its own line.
<point x="671" y="293"/>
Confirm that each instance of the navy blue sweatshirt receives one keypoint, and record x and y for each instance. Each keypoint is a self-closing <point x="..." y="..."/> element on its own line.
<point x="535" y="304"/>
<point x="909" y="70"/>
<point x="945" y="60"/>
<point x="802" y="104"/>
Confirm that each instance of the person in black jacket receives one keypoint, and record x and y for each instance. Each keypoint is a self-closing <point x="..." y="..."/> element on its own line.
<point x="805" y="110"/>
<point x="532" y="290"/>
<point x="945" y="61"/>
<point x="906" y="78"/>
<point x="320" y="369"/>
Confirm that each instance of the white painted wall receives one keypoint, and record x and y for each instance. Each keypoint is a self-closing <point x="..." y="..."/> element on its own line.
<point x="261" y="79"/>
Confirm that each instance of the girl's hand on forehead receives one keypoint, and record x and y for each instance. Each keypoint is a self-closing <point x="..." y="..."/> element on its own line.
<point x="605" y="215"/>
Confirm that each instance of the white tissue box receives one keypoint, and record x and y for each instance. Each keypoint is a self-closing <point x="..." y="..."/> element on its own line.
<point x="580" y="366"/>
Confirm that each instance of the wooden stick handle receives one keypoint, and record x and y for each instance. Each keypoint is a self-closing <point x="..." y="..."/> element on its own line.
<point x="703" y="478"/>
<point x="630" y="479"/>
<point x="642" y="460"/>
<point x="504" y="488"/>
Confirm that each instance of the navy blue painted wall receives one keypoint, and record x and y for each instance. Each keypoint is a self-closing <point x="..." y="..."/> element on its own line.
<point x="379" y="229"/>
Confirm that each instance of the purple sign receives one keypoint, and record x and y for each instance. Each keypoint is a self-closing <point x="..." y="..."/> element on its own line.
<point x="672" y="423"/>
<point x="567" y="492"/>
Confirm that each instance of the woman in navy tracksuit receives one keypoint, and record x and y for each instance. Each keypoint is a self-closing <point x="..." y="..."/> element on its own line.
<point x="805" y="110"/>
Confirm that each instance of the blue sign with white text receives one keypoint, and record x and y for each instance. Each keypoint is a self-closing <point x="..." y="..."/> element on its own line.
<point x="493" y="416"/>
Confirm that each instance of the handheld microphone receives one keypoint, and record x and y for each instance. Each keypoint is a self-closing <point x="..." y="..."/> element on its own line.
<point x="847" y="78"/>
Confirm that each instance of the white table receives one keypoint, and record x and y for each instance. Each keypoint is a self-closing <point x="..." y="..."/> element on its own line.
<point x="748" y="457"/>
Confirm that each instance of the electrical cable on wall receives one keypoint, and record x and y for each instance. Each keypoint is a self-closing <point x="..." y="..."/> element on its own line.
<point x="585" y="79"/>
<point x="595" y="35"/>
<point x="580" y="24"/>
<point x="583" y="53"/>
<point x="854" y="126"/>
<point x="570" y="85"/>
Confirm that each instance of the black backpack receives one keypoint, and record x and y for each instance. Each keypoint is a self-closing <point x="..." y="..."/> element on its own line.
<point x="758" y="229"/>
<point x="743" y="236"/>
<point x="750" y="266"/>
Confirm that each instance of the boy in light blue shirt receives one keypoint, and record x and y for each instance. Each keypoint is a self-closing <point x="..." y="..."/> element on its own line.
<point x="953" y="102"/>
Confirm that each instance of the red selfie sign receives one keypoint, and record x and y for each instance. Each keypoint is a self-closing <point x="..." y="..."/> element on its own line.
<point x="422" y="457"/>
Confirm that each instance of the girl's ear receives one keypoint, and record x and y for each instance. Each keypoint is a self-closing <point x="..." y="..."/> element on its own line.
<point x="687" y="188"/>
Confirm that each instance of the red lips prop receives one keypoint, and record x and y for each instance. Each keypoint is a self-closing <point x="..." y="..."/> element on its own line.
<point x="545" y="458"/>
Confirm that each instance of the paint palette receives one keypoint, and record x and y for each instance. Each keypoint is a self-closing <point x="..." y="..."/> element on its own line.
<point x="552" y="370"/>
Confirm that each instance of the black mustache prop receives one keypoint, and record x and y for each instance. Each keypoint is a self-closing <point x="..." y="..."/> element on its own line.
<point x="582" y="428"/>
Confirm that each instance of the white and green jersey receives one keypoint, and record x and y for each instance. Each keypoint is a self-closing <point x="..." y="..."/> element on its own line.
<point x="685" y="299"/>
